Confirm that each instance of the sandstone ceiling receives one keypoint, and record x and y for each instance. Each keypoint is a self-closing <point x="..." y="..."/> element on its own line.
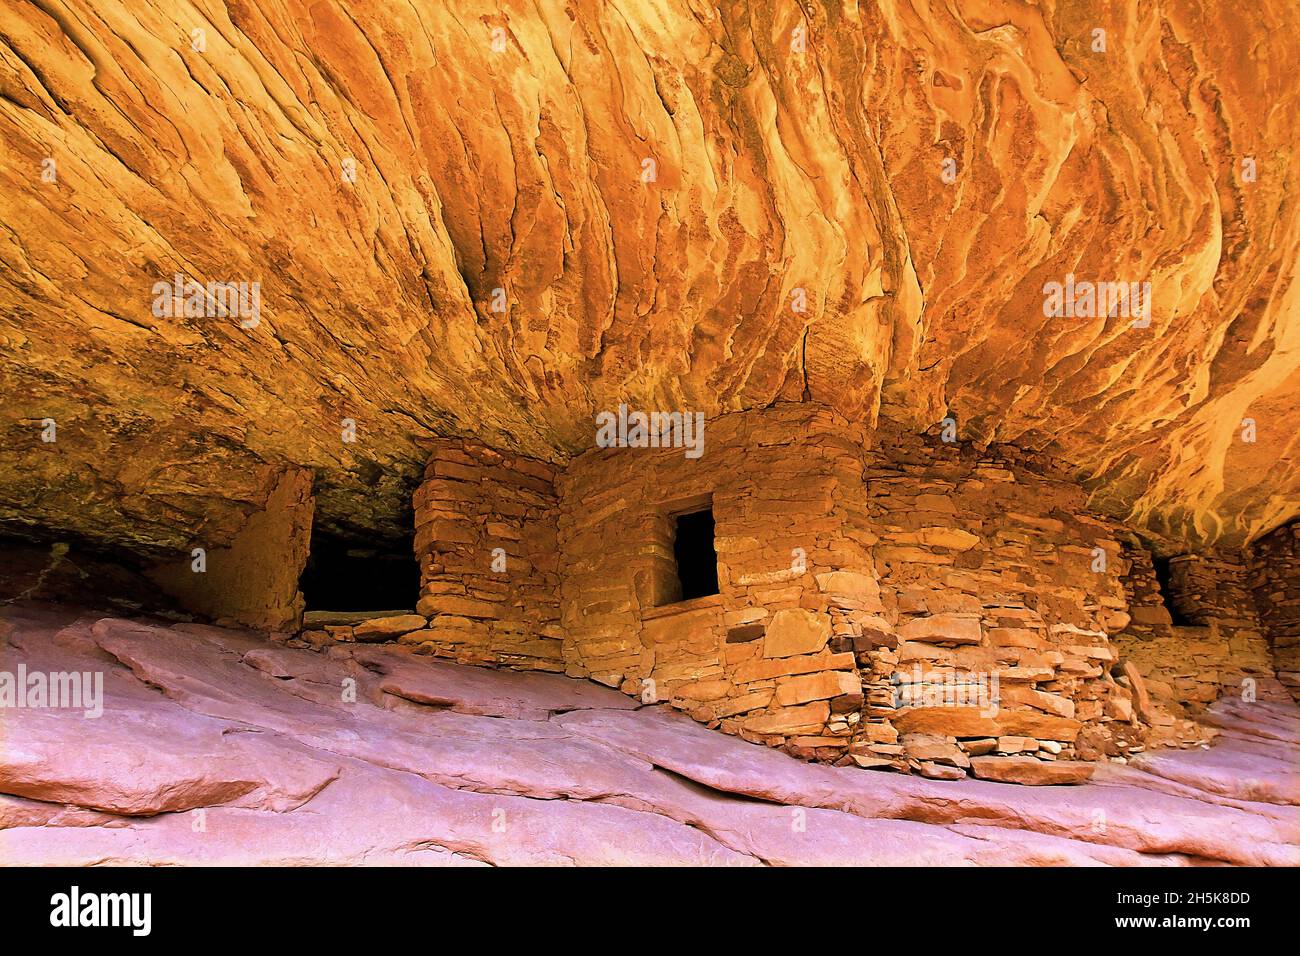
<point x="792" y="146"/>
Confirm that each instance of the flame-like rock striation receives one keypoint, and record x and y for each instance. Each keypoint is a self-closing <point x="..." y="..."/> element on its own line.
<point x="475" y="218"/>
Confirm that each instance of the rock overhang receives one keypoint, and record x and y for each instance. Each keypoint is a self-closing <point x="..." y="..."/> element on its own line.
<point x="774" y="171"/>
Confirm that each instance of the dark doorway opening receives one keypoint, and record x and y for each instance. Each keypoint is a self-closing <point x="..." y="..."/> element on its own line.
<point x="1164" y="578"/>
<point x="343" y="575"/>
<point x="697" y="561"/>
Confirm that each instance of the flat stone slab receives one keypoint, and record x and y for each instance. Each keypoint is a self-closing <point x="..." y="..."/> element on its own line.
<point x="313" y="619"/>
<point x="1030" y="771"/>
<point x="374" y="755"/>
<point x="485" y="691"/>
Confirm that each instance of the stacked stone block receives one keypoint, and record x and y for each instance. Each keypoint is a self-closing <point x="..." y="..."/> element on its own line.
<point x="1274" y="579"/>
<point x="1001" y="593"/>
<point x="485" y="534"/>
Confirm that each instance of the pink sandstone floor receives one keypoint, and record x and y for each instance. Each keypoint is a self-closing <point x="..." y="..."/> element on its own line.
<point x="216" y="747"/>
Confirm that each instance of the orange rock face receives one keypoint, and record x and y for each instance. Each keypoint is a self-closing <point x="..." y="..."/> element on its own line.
<point x="469" y="221"/>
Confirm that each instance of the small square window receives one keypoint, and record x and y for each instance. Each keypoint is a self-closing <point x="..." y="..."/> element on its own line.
<point x="694" y="555"/>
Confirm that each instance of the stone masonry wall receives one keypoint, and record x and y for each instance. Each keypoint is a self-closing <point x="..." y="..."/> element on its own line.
<point x="989" y="570"/>
<point x="485" y="534"/>
<point x="755" y="659"/>
<point x="254" y="580"/>
<point x="1274" y="578"/>
<point x="916" y="567"/>
<point x="884" y="600"/>
<point x="1186" y="667"/>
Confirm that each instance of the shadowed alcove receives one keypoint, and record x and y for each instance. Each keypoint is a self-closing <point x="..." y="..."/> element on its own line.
<point x="1169" y="591"/>
<point x="344" y="575"/>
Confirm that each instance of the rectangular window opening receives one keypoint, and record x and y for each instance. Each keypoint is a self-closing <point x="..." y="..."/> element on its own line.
<point x="694" y="554"/>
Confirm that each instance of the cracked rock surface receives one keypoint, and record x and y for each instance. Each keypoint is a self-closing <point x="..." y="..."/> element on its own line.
<point x="561" y="207"/>
<point x="215" y="747"/>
